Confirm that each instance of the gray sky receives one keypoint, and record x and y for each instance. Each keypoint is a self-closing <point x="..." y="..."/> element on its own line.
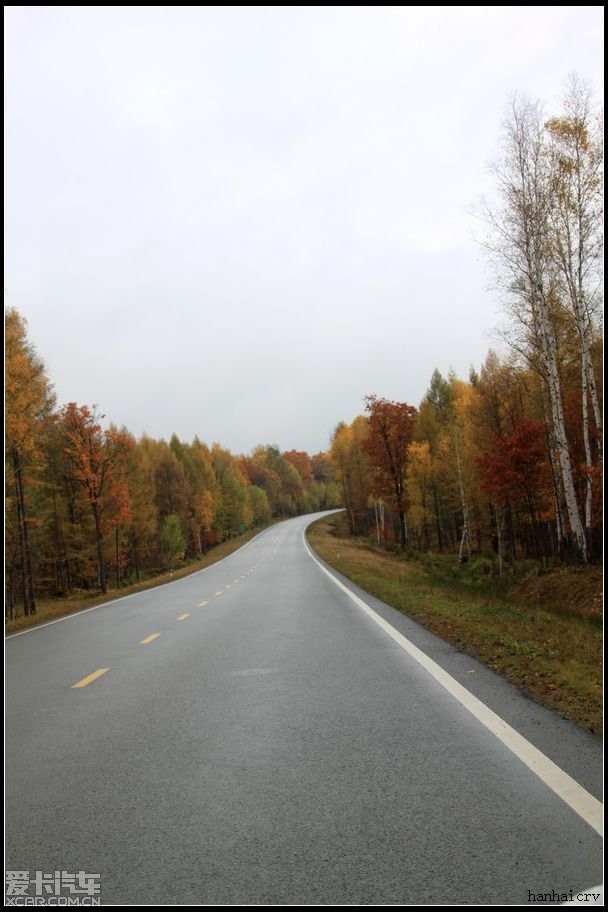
<point x="236" y="222"/>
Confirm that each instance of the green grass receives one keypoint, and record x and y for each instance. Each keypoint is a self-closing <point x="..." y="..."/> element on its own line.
<point x="49" y="609"/>
<point x="552" y="651"/>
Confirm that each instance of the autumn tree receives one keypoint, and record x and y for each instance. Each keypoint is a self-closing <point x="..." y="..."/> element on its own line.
<point x="291" y="483"/>
<point x="520" y="244"/>
<point x="195" y="459"/>
<point x="419" y="489"/>
<point x="170" y="484"/>
<point x="341" y="445"/>
<point x="441" y="421"/>
<point x="260" y="474"/>
<point x="232" y="508"/>
<point x="302" y="463"/>
<point x="143" y="527"/>
<point x="29" y="402"/>
<point x="259" y="506"/>
<point x="279" y="478"/>
<point x="391" y="427"/>
<point x="514" y="469"/>
<point x="98" y="461"/>
<point x="352" y="470"/>
<point x="204" y="490"/>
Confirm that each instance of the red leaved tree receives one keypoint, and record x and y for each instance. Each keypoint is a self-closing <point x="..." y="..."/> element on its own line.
<point x="391" y="429"/>
<point x="514" y="468"/>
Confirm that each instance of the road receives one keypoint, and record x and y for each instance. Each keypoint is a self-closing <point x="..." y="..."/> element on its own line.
<point x="257" y="737"/>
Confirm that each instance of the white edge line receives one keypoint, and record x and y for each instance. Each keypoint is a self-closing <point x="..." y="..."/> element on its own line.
<point x="122" y="598"/>
<point x="565" y="787"/>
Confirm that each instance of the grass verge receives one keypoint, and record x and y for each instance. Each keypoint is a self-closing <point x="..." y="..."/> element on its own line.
<point x="49" y="609"/>
<point x="551" y="650"/>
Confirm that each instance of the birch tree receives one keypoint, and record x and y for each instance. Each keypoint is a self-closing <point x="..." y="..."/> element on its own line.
<point x="575" y="222"/>
<point x="521" y="249"/>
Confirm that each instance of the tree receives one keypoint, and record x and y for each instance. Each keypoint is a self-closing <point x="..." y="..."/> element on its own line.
<point x="260" y="508"/>
<point x="419" y="488"/>
<point x="301" y="461"/>
<point x="232" y="510"/>
<point x="29" y="403"/>
<point x="278" y="477"/>
<point x="521" y="249"/>
<point x="172" y="538"/>
<point x="514" y="469"/>
<point x="443" y="422"/>
<point x="575" y="145"/>
<point x="144" y="524"/>
<point x="351" y="470"/>
<point x="170" y="484"/>
<point x="391" y="428"/>
<point x="201" y="489"/>
<point x="98" y="461"/>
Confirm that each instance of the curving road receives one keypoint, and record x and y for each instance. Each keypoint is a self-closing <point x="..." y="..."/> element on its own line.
<point x="253" y="735"/>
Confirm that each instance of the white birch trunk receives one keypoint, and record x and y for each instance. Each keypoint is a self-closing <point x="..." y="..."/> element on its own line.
<point x="559" y="428"/>
<point x="576" y="239"/>
<point x="544" y="242"/>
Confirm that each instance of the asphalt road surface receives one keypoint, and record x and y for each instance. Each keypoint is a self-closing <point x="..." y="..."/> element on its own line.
<point x="257" y="737"/>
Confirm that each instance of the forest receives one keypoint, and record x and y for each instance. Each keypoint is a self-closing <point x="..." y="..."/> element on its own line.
<point x="507" y="462"/>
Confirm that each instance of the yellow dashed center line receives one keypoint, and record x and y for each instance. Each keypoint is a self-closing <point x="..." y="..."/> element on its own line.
<point x="182" y="617"/>
<point x="228" y="585"/>
<point x="91" y="677"/>
<point x="218" y="593"/>
<point x="202" y="604"/>
<point x="149" y="639"/>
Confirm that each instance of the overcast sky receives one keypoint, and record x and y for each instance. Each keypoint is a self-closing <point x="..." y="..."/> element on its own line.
<point x="236" y="222"/>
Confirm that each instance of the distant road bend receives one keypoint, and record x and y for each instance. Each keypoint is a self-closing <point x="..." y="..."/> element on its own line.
<point x="251" y="734"/>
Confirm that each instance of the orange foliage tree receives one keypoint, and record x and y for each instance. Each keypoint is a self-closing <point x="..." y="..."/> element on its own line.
<point x="98" y="461"/>
<point x="28" y="407"/>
